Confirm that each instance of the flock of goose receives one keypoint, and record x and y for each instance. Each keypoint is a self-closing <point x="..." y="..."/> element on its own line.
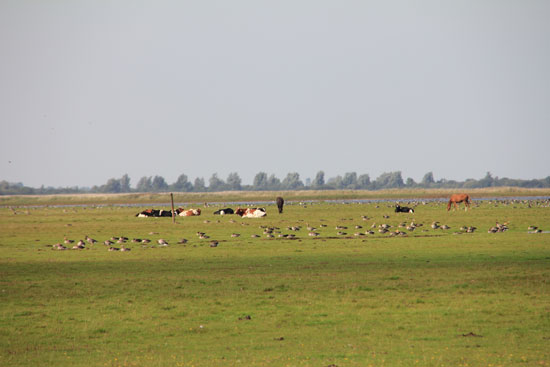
<point x="269" y="232"/>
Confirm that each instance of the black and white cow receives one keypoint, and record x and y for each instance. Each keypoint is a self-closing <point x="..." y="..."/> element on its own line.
<point x="403" y="209"/>
<point x="224" y="211"/>
<point x="154" y="213"/>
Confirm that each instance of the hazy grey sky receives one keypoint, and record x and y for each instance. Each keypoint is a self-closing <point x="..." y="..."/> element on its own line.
<point x="91" y="90"/>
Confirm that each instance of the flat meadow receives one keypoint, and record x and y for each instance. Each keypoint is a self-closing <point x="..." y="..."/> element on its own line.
<point x="422" y="297"/>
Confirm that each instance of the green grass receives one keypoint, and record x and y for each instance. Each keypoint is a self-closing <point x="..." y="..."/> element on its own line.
<point x="433" y="298"/>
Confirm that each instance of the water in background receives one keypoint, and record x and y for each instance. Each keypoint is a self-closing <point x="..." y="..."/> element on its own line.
<point x="517" y="199"/>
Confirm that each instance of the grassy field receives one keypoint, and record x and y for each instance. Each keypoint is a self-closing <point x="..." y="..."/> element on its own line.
<point x="431" y="298"/>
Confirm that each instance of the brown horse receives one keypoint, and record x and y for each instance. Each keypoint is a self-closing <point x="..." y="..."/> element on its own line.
<point x="459" y="198"/>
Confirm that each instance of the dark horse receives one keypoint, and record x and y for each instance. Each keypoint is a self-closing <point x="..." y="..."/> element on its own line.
<point x="280" y="203"/>
<point x="459" y="198"/>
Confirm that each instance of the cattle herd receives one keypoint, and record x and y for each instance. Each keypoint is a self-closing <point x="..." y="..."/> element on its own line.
<point x="245" y="213"/>
<point x="167" y="213"/>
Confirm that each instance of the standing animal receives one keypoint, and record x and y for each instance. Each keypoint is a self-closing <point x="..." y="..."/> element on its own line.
<point x="459" y="198"/>
<point x="280" y="203"/>
<point x="403" y="209"/>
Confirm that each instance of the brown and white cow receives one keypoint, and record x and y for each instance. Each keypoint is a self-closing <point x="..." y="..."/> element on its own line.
<point x="251" y="212"/>
<point x="189" y="212"/>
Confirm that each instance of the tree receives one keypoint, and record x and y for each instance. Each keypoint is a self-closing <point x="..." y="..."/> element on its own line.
<point x="410" y="182"/>
<point x="273" y="183"/>
<point x="112" y="185"/>
<point x="125" y="183"/>
<point x="428" y="179"/>
<point x="487" y="181"/>
<point x="159" y="184"/>
<point x="350" y="181"/>
<point x="292" y="182"/>
<point x="335" y="182"/>
<point x="318" y="182"/>
<point x="215" y="183"/>
<point x="199" y="185"/>
<point x="389" y="180"/>
<point x="260" y="181"/>
<point x="234" y="181"/>
<point x="363" y="182"/>
<point x="144" y="184"/>
<point x="182" y="184"/>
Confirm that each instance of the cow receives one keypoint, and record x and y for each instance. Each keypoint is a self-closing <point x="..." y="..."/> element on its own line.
<point x="280" y="203"/>
<point x="154" y="213"/>
<point x="251" y="212"/>
<point x="224" y="211"/>
<point x="189" y="212"/>
<point x="403" y="209"/>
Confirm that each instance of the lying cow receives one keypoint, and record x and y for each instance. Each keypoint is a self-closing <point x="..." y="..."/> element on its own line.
<point x="224" y="211"/>
<point x="189" y="212"/>
<point x="403" y="209"/>
<point x="154" y="213"/>
<point x="251" y="212"/>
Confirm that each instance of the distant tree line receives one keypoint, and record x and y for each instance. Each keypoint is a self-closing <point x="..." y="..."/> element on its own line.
<point x="264" y="182"/>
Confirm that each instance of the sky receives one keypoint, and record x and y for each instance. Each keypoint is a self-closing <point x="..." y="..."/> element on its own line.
<point x="92" y="90"/>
